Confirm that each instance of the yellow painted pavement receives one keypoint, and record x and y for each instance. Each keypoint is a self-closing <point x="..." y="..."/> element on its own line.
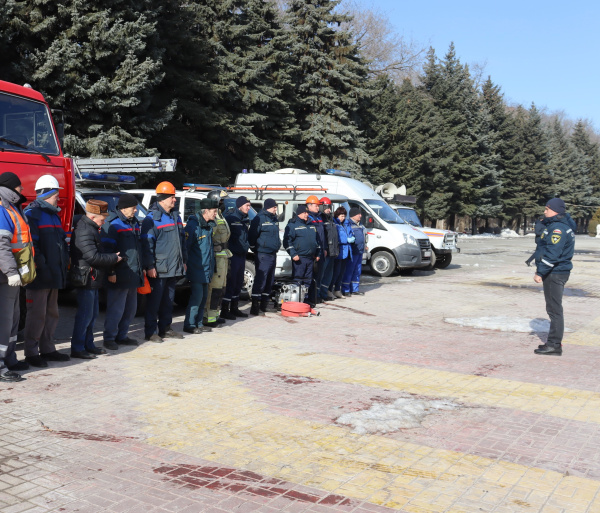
<point x="197" y="406"/>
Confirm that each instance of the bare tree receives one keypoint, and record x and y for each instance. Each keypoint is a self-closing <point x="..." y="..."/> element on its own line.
<point x="387" y="51"/>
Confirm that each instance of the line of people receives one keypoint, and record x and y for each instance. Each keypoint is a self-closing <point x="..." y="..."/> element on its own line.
<point x="115" y="252"/>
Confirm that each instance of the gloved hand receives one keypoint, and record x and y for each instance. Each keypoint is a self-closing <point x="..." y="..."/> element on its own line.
<point x="351" y="240"/>
<point x="15" y="280"/>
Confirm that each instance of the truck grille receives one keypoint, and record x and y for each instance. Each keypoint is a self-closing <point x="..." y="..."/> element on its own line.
<point x="425" y="246"/>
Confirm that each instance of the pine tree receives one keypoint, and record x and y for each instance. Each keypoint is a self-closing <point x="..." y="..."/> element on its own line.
<point x="328" y="78"/>
<point x="100" y="62"/>
<point x="581" y="138"/>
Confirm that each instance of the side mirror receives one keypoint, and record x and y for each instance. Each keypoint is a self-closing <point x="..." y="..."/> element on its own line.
<point x="369" y="222"/>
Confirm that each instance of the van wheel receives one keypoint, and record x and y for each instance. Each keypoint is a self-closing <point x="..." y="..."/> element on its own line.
<point x="249" y="275"/>
<point x="444" y="261"/>
<point x="383" y="263"/>
<point x="432" y="262"/>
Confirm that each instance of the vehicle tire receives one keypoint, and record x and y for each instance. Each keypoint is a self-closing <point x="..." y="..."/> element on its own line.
<point x="249" y="275"/>
<point x="383" y="263"/>
<point x="443" y="261"/>
<point x="433" y="262"/>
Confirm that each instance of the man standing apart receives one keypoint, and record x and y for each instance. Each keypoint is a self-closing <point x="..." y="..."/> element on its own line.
<point x="301" y="242"/>
<point x="314" y="219"/>
<point x="265" y="243"/>
<point x="121" y="233"/>
<point x="51" y="263"/>
<point x="216" y="287"/>
<point x="89" y="263"/>
<point x="332" y="244"/>
<point x="239" y="245"/>
<point x="553" y="261"/>
<point x="164" y="259"/>
<point x="351" y="280"/>
<point x="14" y="235"/>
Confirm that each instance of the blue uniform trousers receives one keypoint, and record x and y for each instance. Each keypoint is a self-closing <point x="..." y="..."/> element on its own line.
<point x="554" y="286"/>
<point x="121" y="305"/>
<point x="159" y="305"/>
<point x="235" y="278"/>
<point x="195" y="308"/>
<point x="326" y="275"/>
<point x="302" y="271"/>
<point x="339" y="267"/>
<point x="83" y="325"/>
<point x="352" y="273"/>
<point x="265" y="274"/>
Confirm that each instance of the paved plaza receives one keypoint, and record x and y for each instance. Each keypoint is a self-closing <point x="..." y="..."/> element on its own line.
<point x="424" y="395"/>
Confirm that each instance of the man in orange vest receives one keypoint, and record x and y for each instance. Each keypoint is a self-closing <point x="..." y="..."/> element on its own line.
<point x="14" y="232"/>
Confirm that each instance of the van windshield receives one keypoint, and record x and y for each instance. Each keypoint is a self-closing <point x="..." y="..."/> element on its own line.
<point x="410" y="216"/>
<point x="26" y="123"/>
<point x="385" y="212"/>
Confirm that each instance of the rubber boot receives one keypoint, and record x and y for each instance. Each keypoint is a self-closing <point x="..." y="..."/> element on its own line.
<point x="225" y="313"/>
<point x="264" y="305"/>
<point x="234" y="309"/>
<point x="255" y="309"/>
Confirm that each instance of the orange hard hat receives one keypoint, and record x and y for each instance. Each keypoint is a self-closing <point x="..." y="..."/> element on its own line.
<point x="312" y="199"/>
<point x="325" y="201"/>
<point x="165" y="188"/>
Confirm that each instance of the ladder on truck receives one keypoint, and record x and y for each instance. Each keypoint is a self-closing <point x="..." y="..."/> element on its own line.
<point x="117" y="169"/>
<point x="259" y="191"/>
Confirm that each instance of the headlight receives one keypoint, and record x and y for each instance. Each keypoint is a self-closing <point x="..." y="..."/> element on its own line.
<point x="409" y="239"/>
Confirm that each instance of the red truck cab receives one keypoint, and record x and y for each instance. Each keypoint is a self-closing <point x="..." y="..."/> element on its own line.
<point x="30" y="146"/>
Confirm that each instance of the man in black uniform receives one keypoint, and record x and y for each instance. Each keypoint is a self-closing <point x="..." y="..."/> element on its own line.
<point x="264" y="242"/>
<point x="553" y="261"/>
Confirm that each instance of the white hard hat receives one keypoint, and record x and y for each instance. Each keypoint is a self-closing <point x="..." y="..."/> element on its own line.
<point x="46" y="182"/>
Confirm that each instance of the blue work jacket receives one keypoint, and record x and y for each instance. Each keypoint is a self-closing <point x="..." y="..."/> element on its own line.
<point x="264" y="233"/>
<point x="238" y="224"/>
<point x="199" y="244"/>
<point x="123" y="235"/>
<point x="556" y="246"/>
<point x="360" y="239"/>
<point x="300" y="238"/>
<point x="344" y="233"/>
<point x="50" y="243"/>
<point x="163" y="242"/>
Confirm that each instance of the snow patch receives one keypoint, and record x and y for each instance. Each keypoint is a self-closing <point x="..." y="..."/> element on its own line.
<point x="514" y="324"/>
<point x="386" y="418"/>
<point x="507" y="233"/>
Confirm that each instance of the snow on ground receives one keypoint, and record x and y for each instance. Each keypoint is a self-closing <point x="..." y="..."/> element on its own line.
<point x="403" y="413"/>
<point x="504" y="234"/>
<point x="513" y="324"/>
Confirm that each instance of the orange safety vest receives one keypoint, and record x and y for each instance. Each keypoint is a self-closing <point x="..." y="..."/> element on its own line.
<point x="21" y="235"/>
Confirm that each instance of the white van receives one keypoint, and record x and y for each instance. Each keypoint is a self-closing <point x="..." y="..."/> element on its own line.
<point x="393" y="244"/>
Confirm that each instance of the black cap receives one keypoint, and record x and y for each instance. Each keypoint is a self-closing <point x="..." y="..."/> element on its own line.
<point x="557" y="205"/>
<point x="301" y="209"/>
<point x="127" y="200"/>
<point x="241" y="201"/>
<point x="269" y="203"/>
<point x="9" y="180"/>
<point x="354" y="211"/>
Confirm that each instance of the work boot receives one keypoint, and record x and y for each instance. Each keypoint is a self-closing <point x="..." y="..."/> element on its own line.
<point x="225" y="313"/>
<point x="338" y="294"/>
<point x="330" y="295"/>
<point x="549" y="350"/>
<point x="264" y="305"/>
<point x="255" y="309"/>
<point x="234" y="309"/>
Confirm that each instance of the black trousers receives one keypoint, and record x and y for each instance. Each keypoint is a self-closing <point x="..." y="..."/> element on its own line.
<point x="554" y="286"/>
<point x="265" y="273"/>
<point x="302" y="271"/>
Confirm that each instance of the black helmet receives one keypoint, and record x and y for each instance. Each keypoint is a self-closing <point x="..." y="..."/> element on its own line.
<point x="217" y="194"/>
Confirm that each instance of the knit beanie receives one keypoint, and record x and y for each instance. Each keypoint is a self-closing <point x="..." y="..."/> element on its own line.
<point x="557" y="205"/>
<point x="301" y="209"/>
<point x="241" y="201"/>
<point x="127" y="200"/>
<point x="269" y="203"/>
<point x="9" y="180"/>
<point x="354" y="211"/>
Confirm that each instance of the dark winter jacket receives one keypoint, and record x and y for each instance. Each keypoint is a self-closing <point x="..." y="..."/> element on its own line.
<point x="557" y="245"/>
<point x="238" y="224"/>
<point x="120" y="234"/>
<point x="360" y="238"/>
<point x="50" y="243"/>
<point x="331" y="241"/>
<point x="163" y="242"/>
<point x="199" y="244"/>
<point x="300" y="238"/>
<point x="316" y="221"/>
<point x="264" y="233"/>
<point x="87" y="251"/>
<point x="344" y="231"/>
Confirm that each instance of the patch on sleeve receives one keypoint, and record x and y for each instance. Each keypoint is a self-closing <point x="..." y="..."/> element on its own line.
<point x="555" y="239"/>
<point x="557" y="231"/>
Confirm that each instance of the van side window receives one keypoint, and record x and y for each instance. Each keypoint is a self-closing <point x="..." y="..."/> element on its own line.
<point x="190" y="207"/>
<point x="280" y="212"/>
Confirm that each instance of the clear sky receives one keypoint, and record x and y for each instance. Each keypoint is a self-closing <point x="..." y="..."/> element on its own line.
<point x="547" y="52"/>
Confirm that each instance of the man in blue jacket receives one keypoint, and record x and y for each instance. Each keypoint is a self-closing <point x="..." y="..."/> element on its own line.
<point x="164" y="258"/>
<point x="121" y="233"/>
<point x="300" y="240"/>
<point x="314" y="218"/>
<point x="553" y="262"/>
<point x="351" y="280"/>
<point x="265" y="243"/>
<point x="238" y="244"/>
<point x="51" y="263"/>
<point x="201" y="262"/>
